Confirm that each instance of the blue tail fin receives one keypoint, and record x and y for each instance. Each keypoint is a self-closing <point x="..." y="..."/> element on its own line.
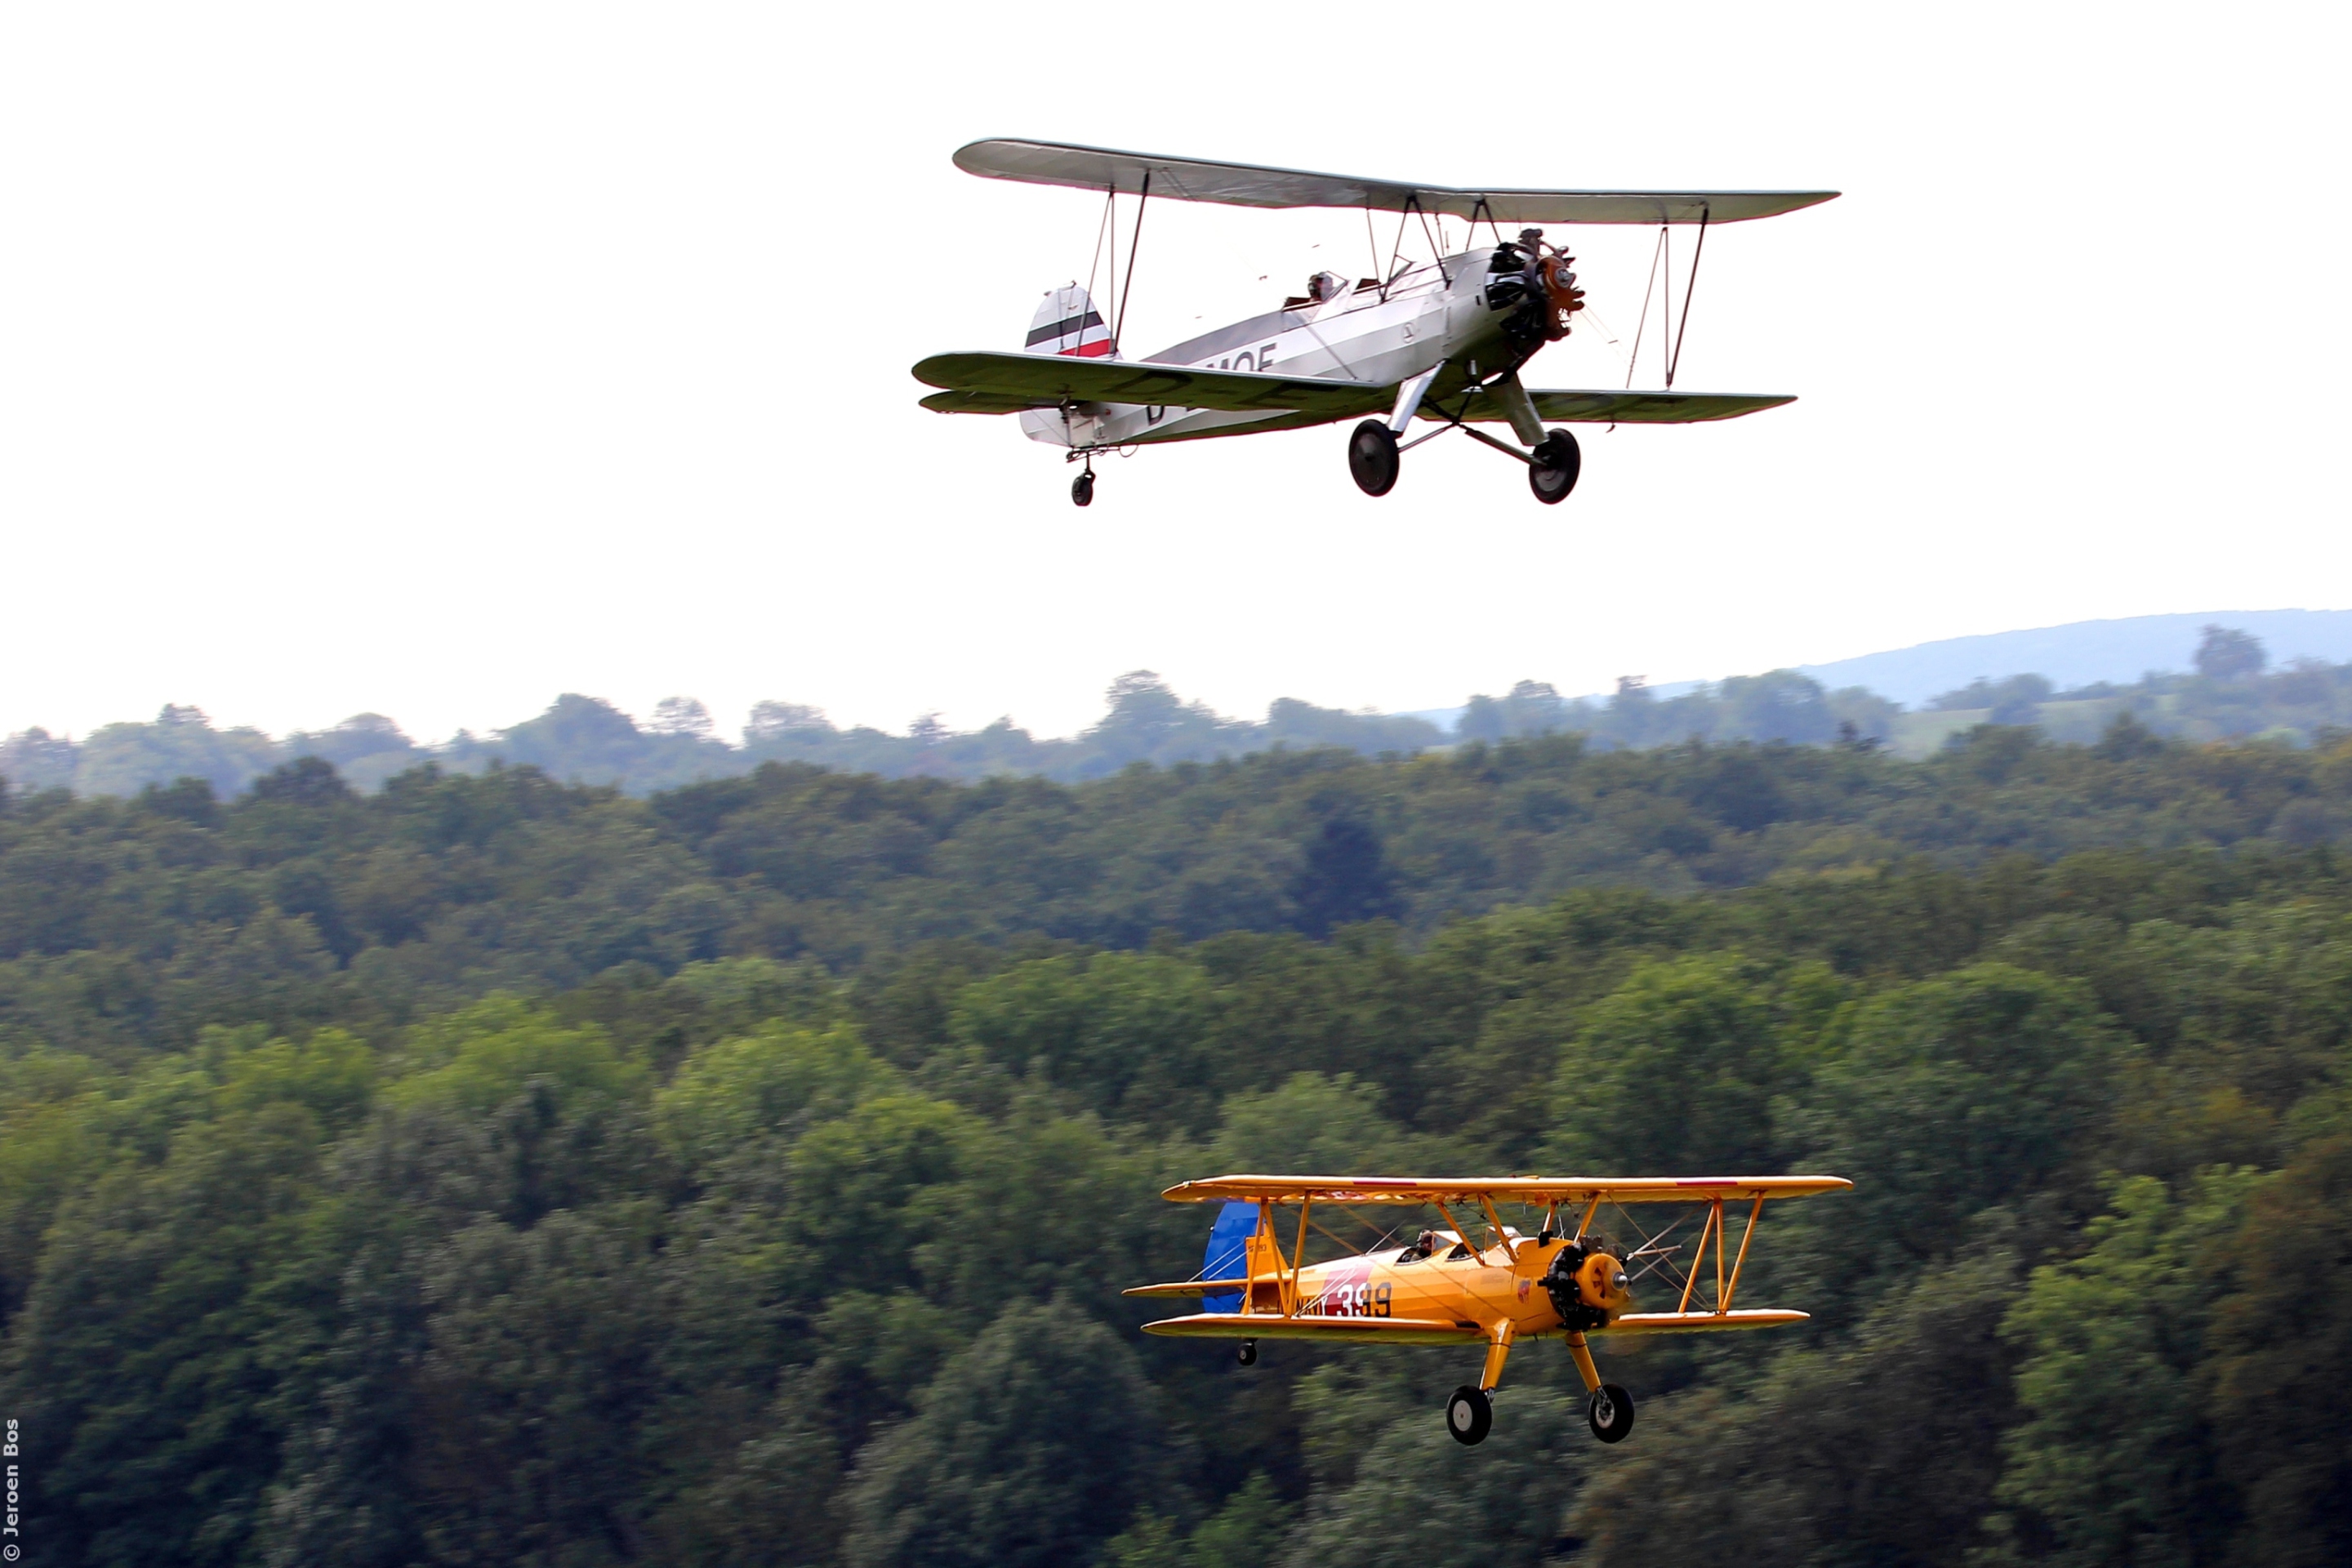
<point x="1228" y="1255"/>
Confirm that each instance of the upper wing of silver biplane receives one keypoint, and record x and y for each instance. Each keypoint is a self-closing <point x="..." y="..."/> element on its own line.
<point x="1612" y="407"/>
<point x="1260" y="185"/>
<point x="992" y="382"/>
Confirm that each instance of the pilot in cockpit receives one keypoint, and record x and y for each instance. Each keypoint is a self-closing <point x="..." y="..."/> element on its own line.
<point x="1324" y="286"/>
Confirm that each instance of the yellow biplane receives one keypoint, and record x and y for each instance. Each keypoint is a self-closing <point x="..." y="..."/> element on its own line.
<point x="1447" y="1288"/>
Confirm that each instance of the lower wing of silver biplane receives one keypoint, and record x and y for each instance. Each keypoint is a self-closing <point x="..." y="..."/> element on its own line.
<point x="992" y="382"/>
<point x="985" y="381"/>
<point x="1612" y="407"/>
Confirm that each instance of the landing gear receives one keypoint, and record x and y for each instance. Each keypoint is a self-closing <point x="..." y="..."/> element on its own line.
<point x="1609" y="1411"/>
<point x="1372" y="457"/>
<point x="1469" y="1415"/>
<point x="1247" y="1354"/>
<point x="1082" y="489"/>
<point x="1552" y="469"/>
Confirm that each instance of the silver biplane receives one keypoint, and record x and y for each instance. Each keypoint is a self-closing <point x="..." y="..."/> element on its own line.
<point x="1441" y="339"/>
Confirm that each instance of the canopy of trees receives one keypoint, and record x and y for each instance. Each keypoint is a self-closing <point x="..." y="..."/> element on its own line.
<point x="493" y="1169"/>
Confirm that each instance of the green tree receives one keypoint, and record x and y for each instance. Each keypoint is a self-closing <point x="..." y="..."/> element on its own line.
<point x="2282" y="1342"/>
<point x="2114" y="1462"/>
<point x="1032" y="1447"/>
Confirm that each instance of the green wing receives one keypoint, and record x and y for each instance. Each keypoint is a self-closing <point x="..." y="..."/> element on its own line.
<point x="1622" y="407"/>
<point x="986" y="383"/>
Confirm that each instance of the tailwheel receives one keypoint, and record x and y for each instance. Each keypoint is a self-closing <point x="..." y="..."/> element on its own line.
<point x="1609" y="1413"/>
<point x="1553" y="466"/>
<point x="1082" y="489"/>
<point x="1247" y="1354"/>
<point x="1469" y="1414"/>
<point x="1372" y="457"/>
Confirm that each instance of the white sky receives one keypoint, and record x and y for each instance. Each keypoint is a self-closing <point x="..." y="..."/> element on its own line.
<point x="436" y="359"/>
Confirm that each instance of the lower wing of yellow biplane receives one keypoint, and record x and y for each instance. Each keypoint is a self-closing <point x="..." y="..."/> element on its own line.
<point x="1338" y="1331"/>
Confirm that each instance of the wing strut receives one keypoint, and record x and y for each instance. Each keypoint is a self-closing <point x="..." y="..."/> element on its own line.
<point x="1690" y="287"/>
<point x="1118" y="319"/>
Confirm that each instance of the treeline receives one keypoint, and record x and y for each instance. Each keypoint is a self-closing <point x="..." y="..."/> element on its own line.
<point x="585" y="739"/>
<point x="489" y="1171"/>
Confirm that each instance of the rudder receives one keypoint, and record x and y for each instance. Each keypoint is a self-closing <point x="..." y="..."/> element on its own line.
<point x="1066" y="322"/>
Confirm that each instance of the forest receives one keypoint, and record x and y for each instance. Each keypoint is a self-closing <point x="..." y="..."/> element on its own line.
<point x="486" y="1168"/>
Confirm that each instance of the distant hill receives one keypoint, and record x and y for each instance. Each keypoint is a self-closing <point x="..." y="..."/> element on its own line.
<point x="2082" y="653"/>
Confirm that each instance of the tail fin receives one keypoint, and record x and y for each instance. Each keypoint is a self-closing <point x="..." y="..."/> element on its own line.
<point x="1069" y="323"/>
<point x="1228" y="1255"/>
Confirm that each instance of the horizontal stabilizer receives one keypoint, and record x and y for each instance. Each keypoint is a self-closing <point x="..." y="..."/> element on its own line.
<point x="1335" y="1331"/>
<point x="1622" y="407"/>
<point x="1264" y="185"/>
<point x="1189" y="1288"/>
<point x="987" y="381"/>
<point x="1701" y="1322"/>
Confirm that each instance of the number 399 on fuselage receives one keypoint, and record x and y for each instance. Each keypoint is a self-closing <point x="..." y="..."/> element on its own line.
<point x="1440" y="340"/>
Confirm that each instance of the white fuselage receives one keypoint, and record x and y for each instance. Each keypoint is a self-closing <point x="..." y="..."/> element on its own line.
<point x="1429" y="315"/>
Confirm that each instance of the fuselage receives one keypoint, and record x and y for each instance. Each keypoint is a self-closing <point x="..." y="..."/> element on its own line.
<point x="1476" y="1290"/>
<point x="1433" y="314"/>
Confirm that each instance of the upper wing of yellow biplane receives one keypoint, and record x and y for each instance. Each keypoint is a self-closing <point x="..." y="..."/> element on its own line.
<point x="995" y="381"/>
<point x="1501" y="1189"/>
<point x="1265" y="185"/>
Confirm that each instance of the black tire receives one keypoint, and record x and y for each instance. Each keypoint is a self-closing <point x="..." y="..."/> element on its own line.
<point x="1469" y="1415"/>
<point x="1557" y="461"/>
<point x="1372" y="457"/>
<point x="1609" y="1413"/>
<point x="1082" y="490"/>
<point x="1247" y="1354"/>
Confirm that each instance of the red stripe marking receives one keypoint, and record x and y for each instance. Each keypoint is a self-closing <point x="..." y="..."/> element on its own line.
<point x="1094" y="349"/>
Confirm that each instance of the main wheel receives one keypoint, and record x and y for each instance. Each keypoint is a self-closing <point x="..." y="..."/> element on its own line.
<point x="1082" y="490"/>
<point x="1372" y="457"/>
<point x="1247" y="1354"/>
<point x="1609" y="1413"/>
<point x="1557" y="463"/>
<point x="1469" y="1414"/>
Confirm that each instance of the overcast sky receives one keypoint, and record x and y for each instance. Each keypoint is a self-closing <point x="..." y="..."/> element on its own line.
<point x="436" y="359"/>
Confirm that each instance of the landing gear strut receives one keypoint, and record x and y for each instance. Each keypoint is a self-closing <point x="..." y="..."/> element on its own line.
<point x="1608" y="1409"/>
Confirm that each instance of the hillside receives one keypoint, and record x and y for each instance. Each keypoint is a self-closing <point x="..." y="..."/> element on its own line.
<point x="486" y="1169"/>
<point x="2084" y="653"/>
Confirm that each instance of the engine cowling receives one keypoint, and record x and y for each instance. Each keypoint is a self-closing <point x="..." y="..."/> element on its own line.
<point x="1587" y="1286"/>
<point x="1536" y="285"/>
